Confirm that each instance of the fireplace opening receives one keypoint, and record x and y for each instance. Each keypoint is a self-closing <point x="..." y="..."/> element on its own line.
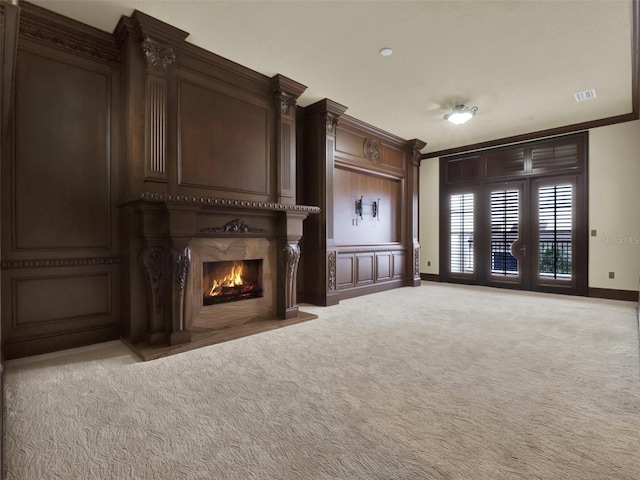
<point x="230" y="281"/>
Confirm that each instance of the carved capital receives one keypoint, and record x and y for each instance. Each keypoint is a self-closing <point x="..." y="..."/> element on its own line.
<point x="332" y="270"/>
<point x="332" y="123"/>
<point x="159" y="57"/>
<point x="286" y="103"/>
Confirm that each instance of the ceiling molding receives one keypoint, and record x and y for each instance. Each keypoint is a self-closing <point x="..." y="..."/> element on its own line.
<point x="634" y="115"/>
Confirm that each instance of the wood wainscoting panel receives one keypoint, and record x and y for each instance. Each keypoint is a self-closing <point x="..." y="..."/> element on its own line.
<point x="365" y="268"/>
<point x="61" y="168"/>
<point x="345" y="271"/>
<point x="41" y="300"/>
<point x="399" y="264"/>
<point x="224" y="141"/>
<point x="54" y="303"/>
<point x="383" y="266"/>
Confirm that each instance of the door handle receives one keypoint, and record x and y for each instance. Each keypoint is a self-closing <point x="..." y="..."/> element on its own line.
<point x="520" y="249"/>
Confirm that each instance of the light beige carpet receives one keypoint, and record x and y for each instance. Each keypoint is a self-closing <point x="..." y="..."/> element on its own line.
<point x="434" y="382"/>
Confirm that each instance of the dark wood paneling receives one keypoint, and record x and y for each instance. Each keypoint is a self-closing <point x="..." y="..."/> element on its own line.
<point x="60" y="252"/>
<point x="357" y="148"/>
<point x="61" y="171"/>
<point x="39" y="302"/>
<point x="506" y="163"/>
<point x="463" y="170"/>
<point x="349" y="186"/>
<point x="224" y="140"/>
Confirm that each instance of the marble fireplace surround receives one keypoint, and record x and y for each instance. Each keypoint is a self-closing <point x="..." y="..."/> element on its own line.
<point x="230" y="249"/>
<point x="177" y="233"/>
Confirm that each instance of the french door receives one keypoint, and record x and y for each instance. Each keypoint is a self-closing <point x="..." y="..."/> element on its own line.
<point x="527" y="234"/>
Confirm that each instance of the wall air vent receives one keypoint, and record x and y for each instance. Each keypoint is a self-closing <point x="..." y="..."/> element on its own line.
<point x="586" y="95"/>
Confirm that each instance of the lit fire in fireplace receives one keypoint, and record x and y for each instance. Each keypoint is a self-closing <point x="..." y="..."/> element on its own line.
<point x="233" y="279"/>
<point x="229" y="281"/>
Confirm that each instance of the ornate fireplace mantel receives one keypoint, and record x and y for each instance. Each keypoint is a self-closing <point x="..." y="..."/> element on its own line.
<point x="168" y="223"/>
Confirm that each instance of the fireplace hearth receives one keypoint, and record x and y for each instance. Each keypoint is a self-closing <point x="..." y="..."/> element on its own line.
<point x="231" y="281"/>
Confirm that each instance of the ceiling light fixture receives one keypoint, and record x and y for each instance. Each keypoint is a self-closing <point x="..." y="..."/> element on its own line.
<point x="385" y="52"/>
<point x="460" y="114"/>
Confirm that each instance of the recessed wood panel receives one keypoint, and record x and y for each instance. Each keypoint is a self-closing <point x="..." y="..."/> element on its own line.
<point x="383" y="266"/>
<point x="462" y="170"/>
<point x="399" y="267"/>
<point x="53" y="299"/>
<point x="506" y="163"/>
<point x="60" y="172"/>
<point x="352" y="146"/>
<point x="345" y="271"/>
<point x="364" y="268"/>
<point x="224" y="141"/>
<point x="349" y="228"/>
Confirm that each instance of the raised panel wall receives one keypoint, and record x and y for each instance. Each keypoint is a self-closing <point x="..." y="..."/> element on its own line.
<point x="61" y="188"/>
<point x="60" y="254"/>
<point x="224" y="140"/>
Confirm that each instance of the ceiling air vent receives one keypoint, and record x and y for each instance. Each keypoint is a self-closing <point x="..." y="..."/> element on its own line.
<point x="586" y="95"/>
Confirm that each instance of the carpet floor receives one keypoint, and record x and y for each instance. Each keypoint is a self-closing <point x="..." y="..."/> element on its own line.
<point x="434" y="382"/>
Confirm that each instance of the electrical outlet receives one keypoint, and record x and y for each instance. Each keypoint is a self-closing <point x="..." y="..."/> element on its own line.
<point x="594" y="233"/>
<point x="428" y="264"/>
<point x="612" y="275"/>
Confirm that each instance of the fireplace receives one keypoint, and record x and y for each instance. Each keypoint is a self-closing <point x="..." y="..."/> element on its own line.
<point x="231" y="281"/>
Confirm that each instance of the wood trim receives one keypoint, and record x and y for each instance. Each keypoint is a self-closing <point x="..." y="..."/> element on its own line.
<point x="612" y="294"/>
<point x="430" y="277"/>
<point x="576" y="127"/>
<point x="36" y="346"/>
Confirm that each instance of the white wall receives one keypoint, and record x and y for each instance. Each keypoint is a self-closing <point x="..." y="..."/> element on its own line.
<point x="429" y="215"/>
<point x="614" y="208"/>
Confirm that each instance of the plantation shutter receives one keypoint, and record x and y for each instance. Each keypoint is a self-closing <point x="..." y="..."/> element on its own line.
<point x="461" y="214"/>
<point x="555" y="209"/>
<point x="504" y="231"/>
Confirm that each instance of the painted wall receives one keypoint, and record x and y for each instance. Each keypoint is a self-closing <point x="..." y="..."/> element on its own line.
<point x="429" y="213"/>
<point x="614" y="201"/>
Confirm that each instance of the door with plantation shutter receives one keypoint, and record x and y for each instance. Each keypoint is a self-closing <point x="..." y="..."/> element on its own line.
<point x="516" y="217"/>
<point x="507" y="242"/>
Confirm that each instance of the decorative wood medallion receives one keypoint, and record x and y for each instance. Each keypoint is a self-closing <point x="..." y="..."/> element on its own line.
<point x="372" y="149"/>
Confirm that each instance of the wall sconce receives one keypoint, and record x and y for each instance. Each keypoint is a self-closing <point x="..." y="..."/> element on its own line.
<point x="460" y="114"/>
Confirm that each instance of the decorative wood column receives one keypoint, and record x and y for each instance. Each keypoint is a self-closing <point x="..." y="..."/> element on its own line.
<point x="288" y="260"/>
<point x="319" y="248"/>
<point x="167" y="231"/>
<point x="286" y="91"/>
<point x="413" y="186"/>
<point x="148" y="49"/>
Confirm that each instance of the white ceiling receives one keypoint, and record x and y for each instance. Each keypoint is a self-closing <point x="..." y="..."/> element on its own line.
<point x="519" y="62"/>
